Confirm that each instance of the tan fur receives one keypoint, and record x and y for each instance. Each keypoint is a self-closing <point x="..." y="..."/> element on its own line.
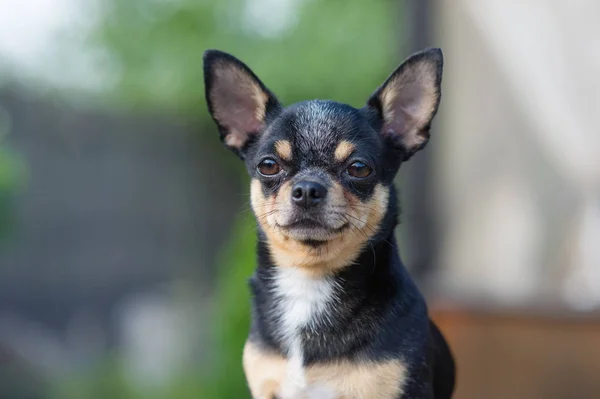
<point x="384" y="380"/>
<point x="343" y="150"/>
<point x="283" y="148"/>
<point x="420" y="79"/>
<point x="340" y="250"/>
<point x="266" y="373"/>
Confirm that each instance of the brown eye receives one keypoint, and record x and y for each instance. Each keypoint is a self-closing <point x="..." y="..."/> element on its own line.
<point x="268" y="167"/>
<point x="359" y="169"/>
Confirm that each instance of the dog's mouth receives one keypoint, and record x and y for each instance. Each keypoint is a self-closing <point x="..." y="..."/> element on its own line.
<point x="311" y="232"/>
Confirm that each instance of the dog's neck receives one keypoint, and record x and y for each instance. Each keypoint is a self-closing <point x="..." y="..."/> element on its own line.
<point x="299" y="312"/>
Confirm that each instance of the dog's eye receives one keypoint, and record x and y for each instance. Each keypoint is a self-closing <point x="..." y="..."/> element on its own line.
<point x="268" y="167"/>
<point x="359" y="169"/>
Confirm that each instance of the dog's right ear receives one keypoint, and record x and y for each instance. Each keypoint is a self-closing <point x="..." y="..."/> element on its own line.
<point x="238" y="101"/>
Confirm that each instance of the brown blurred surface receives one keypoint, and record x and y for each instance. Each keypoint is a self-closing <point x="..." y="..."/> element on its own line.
<point x="502" y="353"/>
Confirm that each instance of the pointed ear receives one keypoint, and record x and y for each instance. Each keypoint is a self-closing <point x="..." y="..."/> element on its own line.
<point x="408" y="100"/>
<point x="238" y="101"/>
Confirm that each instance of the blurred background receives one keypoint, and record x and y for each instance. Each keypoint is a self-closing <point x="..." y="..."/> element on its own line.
<point x="125" y="234"/>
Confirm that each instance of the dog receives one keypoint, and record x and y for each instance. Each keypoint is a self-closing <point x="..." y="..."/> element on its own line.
<point x="335" y="313"/>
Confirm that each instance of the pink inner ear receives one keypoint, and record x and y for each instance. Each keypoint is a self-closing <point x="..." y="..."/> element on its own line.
<point x="409" y="102"/>
<point x="238" y="105"/>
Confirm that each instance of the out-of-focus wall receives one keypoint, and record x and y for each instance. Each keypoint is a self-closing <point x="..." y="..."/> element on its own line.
<point x="114" y="239"/>
<point x="517" y="174"/>
<point x="518" y="169"/>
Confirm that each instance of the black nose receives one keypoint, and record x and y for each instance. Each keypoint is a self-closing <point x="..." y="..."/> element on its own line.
<point x="308" y="193"/>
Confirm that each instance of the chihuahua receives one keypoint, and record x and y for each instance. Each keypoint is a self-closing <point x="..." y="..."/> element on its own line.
<point x="335" y="313"/>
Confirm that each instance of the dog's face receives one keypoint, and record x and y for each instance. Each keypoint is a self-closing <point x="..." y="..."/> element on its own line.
<point x="321" y="171"/>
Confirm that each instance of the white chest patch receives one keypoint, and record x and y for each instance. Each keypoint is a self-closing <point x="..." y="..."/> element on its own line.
<point x="301" y="301"/>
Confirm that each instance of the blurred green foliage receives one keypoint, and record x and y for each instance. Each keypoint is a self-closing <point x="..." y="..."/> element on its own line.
<point x="232" y="318"/>
<point x="330" y="48"/>
<point x="314" y="49"/>
<point x="11" y="175"/>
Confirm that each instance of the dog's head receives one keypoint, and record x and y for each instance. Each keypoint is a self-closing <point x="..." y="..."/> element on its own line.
<point x="322" y="171"/>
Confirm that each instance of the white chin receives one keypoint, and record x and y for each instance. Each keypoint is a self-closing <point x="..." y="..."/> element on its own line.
<point x="312" y="233"/>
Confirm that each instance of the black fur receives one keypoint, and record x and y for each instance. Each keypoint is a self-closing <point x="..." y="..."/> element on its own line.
<point x="379" y="314"/>
<point x="315" y="128"/>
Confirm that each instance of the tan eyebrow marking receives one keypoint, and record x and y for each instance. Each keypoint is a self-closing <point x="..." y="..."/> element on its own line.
<point x="343" y="150"/>
<point x="283" y="148"/>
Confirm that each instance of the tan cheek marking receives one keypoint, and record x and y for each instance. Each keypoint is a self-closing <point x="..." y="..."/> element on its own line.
<point x="259" y="203"/>
<point x="364" y="220"/>
<point x="283" y="148"/>
<point x="378" y="204"/>
<point x="384" y="380"/>
<point x="264" y="209"/>
<point x="339" y="251"/>
<point x="265" y="371"/>
<point x="343" y="150"/>
<point x="282" y="201"/>
<point x="286" y="252"/>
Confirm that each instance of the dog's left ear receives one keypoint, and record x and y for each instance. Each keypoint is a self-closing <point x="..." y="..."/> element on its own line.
<point x="408" y="100"/>
<point x="238" y="101"/>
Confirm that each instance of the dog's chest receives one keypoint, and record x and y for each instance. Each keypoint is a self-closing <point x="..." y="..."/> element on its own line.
<point x="268" y="376"/>
<point x="301" y="302"/>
